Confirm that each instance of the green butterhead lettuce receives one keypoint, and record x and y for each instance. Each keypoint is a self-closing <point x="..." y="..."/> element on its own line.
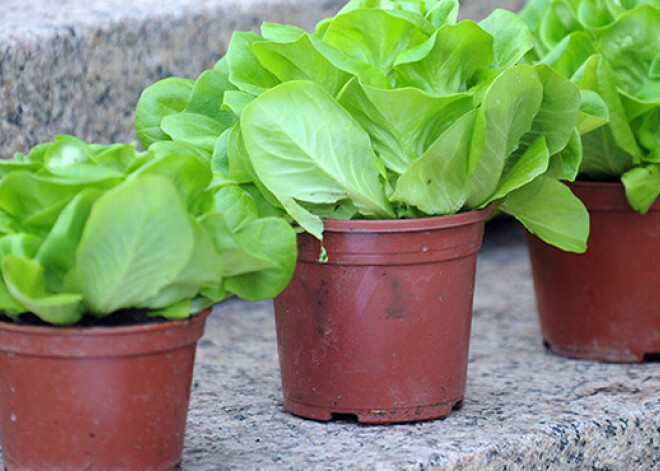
<point x="391" y="109"/>
<point x="89" y="229"/>
<point x="610" y="49"/>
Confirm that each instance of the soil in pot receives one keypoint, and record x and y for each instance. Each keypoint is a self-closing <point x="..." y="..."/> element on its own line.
<point x="98" y="397"/>
<point x="603" y="304"/>
<point x="124" y="317"/>
<point x="381" y="331"/>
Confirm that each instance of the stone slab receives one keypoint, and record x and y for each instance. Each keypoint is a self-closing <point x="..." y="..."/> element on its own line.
<point x="79" y="66"/>
<point x="525" y="408"/>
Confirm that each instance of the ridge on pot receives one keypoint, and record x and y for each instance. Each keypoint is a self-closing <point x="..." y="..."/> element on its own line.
<point x="90" y="234"/>
<point x="603" y="305"/>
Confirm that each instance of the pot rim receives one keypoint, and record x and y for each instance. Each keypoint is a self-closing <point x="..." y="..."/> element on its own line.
<point x="596" y="183"/>
<point x="72" y="331"/>
<point x="605" y="196"/>
<point x="101" y="342"/>
<point x="407" y="225"/>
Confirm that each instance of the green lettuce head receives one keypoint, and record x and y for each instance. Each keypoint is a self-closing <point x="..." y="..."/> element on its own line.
<point x="611" y="50"/>
<point x="390" y="109"/>
<point x="91" y="229"/>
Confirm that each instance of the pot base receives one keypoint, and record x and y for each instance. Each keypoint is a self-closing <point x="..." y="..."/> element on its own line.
<point x="595" y="353"/>
<point x="374" y="416"/>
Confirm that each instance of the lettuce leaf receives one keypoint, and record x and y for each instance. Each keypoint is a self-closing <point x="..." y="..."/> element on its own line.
<point x="321" y="160"/>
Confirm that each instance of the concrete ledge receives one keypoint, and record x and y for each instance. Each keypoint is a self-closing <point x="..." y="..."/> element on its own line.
<point x="78" y="66"/>
<point x="524" y="407"/>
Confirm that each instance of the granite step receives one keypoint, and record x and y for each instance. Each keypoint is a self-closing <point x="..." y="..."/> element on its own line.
<point x="78" y="66"/>
<point x="74" y="66"/>
<point x="525" y="408"/>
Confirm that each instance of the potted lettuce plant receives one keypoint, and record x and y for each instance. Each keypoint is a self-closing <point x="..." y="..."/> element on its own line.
<point x="603" y="305"/>
<point x="387" y="136"/>
<point x="110" y="261"/>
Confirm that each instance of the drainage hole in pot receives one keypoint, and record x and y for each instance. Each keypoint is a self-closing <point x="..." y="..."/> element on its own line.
<point x="344" y="417"/>
<point x="546" y="345"/>
<point x="651" y="358"/>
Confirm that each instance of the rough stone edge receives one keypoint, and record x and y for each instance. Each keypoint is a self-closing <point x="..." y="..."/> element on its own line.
<point x="631" y="442"/>
<point x="65" y="80"/>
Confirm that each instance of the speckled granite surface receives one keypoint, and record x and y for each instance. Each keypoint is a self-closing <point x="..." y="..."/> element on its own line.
<point x="478" y="9"/>
<point x="524" y="407"/>
<point x="78" y="66"/>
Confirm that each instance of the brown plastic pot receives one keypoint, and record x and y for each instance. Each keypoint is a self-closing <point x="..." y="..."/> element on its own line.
<point x="96" y="398"/>
<point x="604" y="304"/>
<point x="381" y="330"/>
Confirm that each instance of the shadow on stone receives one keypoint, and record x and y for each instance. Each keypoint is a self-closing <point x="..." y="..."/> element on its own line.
<point x="651" y="358"/>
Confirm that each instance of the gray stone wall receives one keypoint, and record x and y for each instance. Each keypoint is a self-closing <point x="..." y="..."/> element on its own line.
<point x="78" y="66"/>
<point x="80" y="69"/>
<point x="478" y="9"/>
